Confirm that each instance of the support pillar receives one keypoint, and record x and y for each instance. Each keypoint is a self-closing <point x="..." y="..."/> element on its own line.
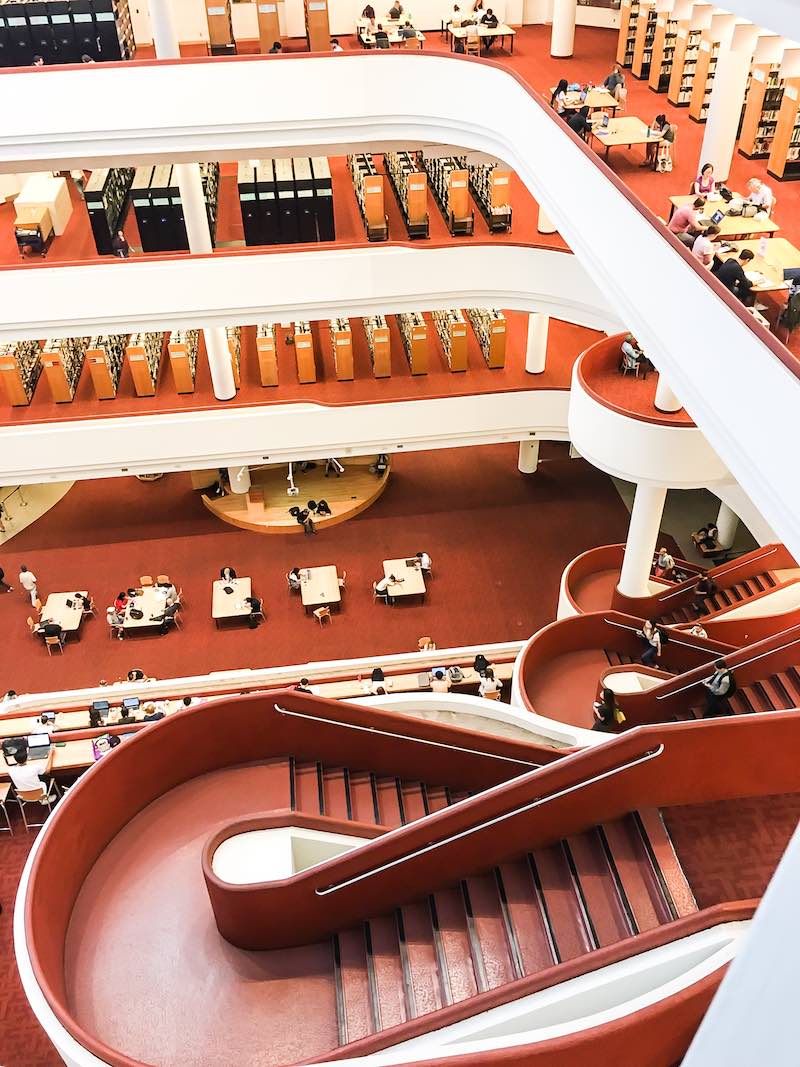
<point x="165" y="39"/>
<point x="528" y="456"/>
<point x="562" y="37"/>
<point x="536" y="350"/>
<point x="725" y="111"/>
<point x="544" y="224"/>
<point x="727" y="525"/>
<point x="646" y="515"/>
<point x="239" y="477"/>
<point x="665" y="398"/>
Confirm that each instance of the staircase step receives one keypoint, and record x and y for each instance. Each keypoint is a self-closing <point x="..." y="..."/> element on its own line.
<point x="791" y="683"/>
<point x="335" y="793"/>
<point x="414" y="801"/>
<point x="736" y="592"/>
<point x="638" y="880"/>
<point x="564" y="914"/>
<point x="391" y="813"/>
<point x="437" y="797"/>
<point x="358" y="1020"/>
<point x="663" y="851"/>
<point x="362" y="797"/>
<point x="490" y="929"/>
<point x="277" y="784"/>
<point x="306" y="788"/>
<point x="454" y="939"/>
<point x="740" y="703"/>
<point x="603" y="903"/>
<point x="770" y="579"/>
<point x="534" y="941"/>
<point x="757" y="580"/>
<point x="418" y="950"/>
<point x="774" y="692"/>
<point x="388" y="970"/>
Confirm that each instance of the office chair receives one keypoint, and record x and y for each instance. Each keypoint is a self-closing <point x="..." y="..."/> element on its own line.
<point x="5" y="789"/>
<point x="51" y="641"/>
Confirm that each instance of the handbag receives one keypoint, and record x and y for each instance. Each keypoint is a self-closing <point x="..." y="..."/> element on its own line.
<point x="619" y="716"/>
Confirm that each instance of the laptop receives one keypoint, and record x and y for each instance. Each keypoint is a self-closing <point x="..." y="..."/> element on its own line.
<point x="100" y="706"/>
<point x="717" y="217"/>
<point x="130" y="703"/>
<point x="38" y="746"/>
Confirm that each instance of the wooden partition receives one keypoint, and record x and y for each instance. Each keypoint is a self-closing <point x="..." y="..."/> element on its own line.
<point x="220" y="24"/>
<point x="182" y="350"/>
<point x="342" y="346"/>
<point x="318" y="31"/>
<point x="269" y="29"/>
<point x="784" y="158"/>
<point x="304" y="353"/>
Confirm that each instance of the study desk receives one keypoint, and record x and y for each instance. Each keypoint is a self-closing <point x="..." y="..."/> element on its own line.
<point x="73" y="756"/>
<point x="230" y="605"/>
<point x="151" y="601"/>
<point x="319" y="586"/>
<point x="56" y="610"/>
<point x="412" y="582"/>
<point x="627" y="130"/>
<point x="395" y="37"/>
<point x="501" y="30"/>
<point x="730" y="225"/>
<point x="406" y="683"/>
<point x="780" y="255"/>
<point x="597" y="99"/>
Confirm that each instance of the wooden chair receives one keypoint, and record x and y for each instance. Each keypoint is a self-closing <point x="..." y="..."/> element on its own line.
<point x="5" y="789"/>
<point x="163" y="579"/>
<point x="90" y="610"/>
<point x="44" y="796"/>
<point x="323" y="613"/>
<point x="376" y="595"/>
<point x="492" y="696"/>
<point x="146" y="579"/>
<point x="622" y="98"/>
<point x="32" y="626"/>
<point x="472" y="45"/>
<point x="182" y="598"/>
<point x="342" y="579"/>
<point x="414" y="44"/>
<point x="38" y="605"/>
<point x="426" y="644"/>
<point x="54" y="641"/>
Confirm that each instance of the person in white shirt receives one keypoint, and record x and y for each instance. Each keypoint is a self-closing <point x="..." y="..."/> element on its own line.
<point x="335" y="46"/>
<point x="760" y="194"/>
<point x="424" y="561"/>
<point x="27" y="777"/>
<point x="440" y="682"/>
<point x="703" y="247"/>
<point x="46" y="723"/>
<point x="28" y="580"/>
<point x="488" y="683"/>
<point x="382" y="587"/>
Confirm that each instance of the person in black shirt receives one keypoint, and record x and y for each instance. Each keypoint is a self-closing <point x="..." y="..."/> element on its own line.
<point x="227" y="574"/>
<point x="731" y="274"/>
<point x="48" y="628"/>
<point x="381" y="37"/>
<point x="580" y="123"/>
<point x="255" y="609"/>
<point x="120" y="245"/>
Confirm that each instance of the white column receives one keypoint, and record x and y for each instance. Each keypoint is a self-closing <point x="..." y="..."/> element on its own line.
<point x="562" y="37"/>
<point x="219" y="362"/>
<point x="727" y="524"/>
<point x="165" y="39"/>
<point x="646" y="515"/>
<point x="725" y="111"/>
<point x="544" y="224"/>
<point x="528" y="456"/>
<point x="753" y="1017"/>
<point x="665" y="398"/>
<point x="536" y="350"/>
<point x="239" y="478"/>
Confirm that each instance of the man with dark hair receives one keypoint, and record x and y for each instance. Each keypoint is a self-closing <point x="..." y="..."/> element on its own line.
<point x="731" y="274"/>
<point x="719" y="689"/>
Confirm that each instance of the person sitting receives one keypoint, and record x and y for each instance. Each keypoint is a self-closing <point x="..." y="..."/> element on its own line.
<point x="116" y="620"/>
<point x="480" y="663"/>
<point x="368" y="12"/>
<point x="440" y="681"/>
<point x="456" y="17"/>
<point x="309" y="529"/>
<point x="686" y="222"/>
<point x="424" y="562"/>
<point x="49" y="628"/>
<point x="697" y="631"/>
<point x="651" y="636"/>
<point x="720" y="687"/>
<point x="27" y="778"/>
<point x="615" y="82"/>
<point x="704" y="589"/>
<point x="255" y="609"/>
<point x="377" y="681"/>
<point x="276" y="47"/>
<point x="630" y="354"/>
<point x="304" y="686"/>
<point x="152" y="713"/>
<point x="407" y="32"/>
<point x="47" y="722"/>
<point x="580" y="122"/>
<point x="323" y="508"/>
<point x="395" y="11"/>
<point x="381" y="37"/>
<point x="136" y="674"/>
<point x="760" y="194"/>
<point x="558" y="101"/>
<point x="335" y="46"/>
<point x="167" y="617"/>
<point x="95" y="719"/>
<point x="491" y="22"/>
<point x="227" y="574"/>
<point x="380" y="466"/>
<point x="703" y="248"/>
<point x="663" y="128"/>
<point x="120" y="602"/>
<point x="488" y="683"/>
<point x="704" y="184"/>
<point x="706" y="536"/>
<point x="382" y="587"/>
<point x="664" y="565"/>
<point x="604" y="712"/>
<point x="732" y="275"/>
<point x="293" y="578"/>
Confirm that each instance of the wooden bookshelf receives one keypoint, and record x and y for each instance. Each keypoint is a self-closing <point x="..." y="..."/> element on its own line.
<point x="220" y="24"/>
<point x="368" y="187"/>
<point x="414" y="331"/>
<point x="318" y="31"/>
<point x="269" y="27"/>
<point x="664" y="42"/>
<point x="708" y="50"/>
<point x="489" y="326"/>
<point x="304" y="353"/>
<point x="628" y="17"/>
<point x="784" y="156"/>
<point x="684" y="62"/>
<point x="234" y="335"/>
<point x="63" y="362"/>
<point x="267" y="354"/>
<point x="646" y="25"/>
<point x="380" y="345"/>
<point x="761" y="111"/>
<point x="105" y="356"/>
<point x="452" y="329"/>
<point x="20" y="368"/>
<point x="182" y="349"/>
<point x="342" y="345"/>
<point x="144" y="354"/>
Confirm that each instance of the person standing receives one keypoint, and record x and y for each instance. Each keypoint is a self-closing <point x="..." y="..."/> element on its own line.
<point x="120" y="245"/>
<point x="652" y="639"/>
<point x="4" y="586"/>
<point x="28" y="581"/>
<point x="719" y="689"/>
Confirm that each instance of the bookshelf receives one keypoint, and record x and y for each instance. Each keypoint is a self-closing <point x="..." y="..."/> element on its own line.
<point x="664" y="42"/>
<point x="452" y="329"/>
<point x="267" y="354"/>
<point x="414" y="332"/>
<point x="628" y="17"/>
<point x="450" y="185"/>
<point x="784" y="156"/>
<point x="368" y="186"/>
<point x="318" y="32"/>
<point x="489" y="326"/>
<point x="490" y="185"/>
<point x="105" y="355"/>
<point x="234" y="335"/>
<point x="380" y="345"/>
<point x="106" y="199"/>
<point x="182" y="349"/>
<point x="220" y="27"/>
<point x="646" y="25"/>
<point x="342" y="345"/>
<point x="20" y="368"/>
<point x="144" y="354"/>
<point x="410" y="187"/>
<point x="703" y="81"/>
<point x="63" y="362"/>
<point x="304" y="353"/>
<point x="761" y="111"/>
<point x="269" y="29"/>
<point x="684" y="61"/>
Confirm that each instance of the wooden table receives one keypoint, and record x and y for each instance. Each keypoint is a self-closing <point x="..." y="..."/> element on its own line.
<point x="55" y="610"/>
<point x="406" y="683"/>
<point x="780" y="254"/>
<point x="731" y="225"/>
<point x="65" y="720"/>
<point x="73" y="756"/>
<point x="151" y="601"/>
<point x="230" y="605"/>
<point x="627" y="130"/>
<point x="413" y="582"/>
<point x="597" y="99"/>
<point x="501" y="30"/>
<point x="318" y="586"/>
<point x="395" y="37"/>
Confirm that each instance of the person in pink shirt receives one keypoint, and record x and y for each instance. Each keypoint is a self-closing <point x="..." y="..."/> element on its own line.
<point x="685" y="222"/>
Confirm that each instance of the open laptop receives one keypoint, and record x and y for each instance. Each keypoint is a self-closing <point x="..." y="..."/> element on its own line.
<point x="38" y="746"/>
<point x="130" y="704"/>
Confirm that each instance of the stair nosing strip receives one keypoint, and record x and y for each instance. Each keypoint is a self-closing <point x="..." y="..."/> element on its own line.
<point x="474" y="941"/>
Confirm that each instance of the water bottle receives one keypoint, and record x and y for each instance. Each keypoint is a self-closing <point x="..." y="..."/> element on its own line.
<point x="762" y="247"/>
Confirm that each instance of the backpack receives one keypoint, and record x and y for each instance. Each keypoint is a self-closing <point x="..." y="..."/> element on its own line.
<point x="790" y="316"/>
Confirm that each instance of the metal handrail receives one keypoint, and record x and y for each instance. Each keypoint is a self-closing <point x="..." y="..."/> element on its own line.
<point x="738" y="667"/>
<point x="432" y="846"/>
<point x="406" y="737"/>
<point x="672" y="640"/>
<point x="690" y="582"/>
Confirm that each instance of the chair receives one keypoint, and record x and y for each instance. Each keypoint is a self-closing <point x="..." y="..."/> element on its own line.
<point x="472" y="45"/>
<point x="51" y="641"/>
<point x="5" y="788"/>
<point x="292" y="588"/>
<point x="255" y="614"/>
<point x="90" y="609"/>
<point x="492" y="696"/>
<point x="323" y="613"/>
<point x="622" y="97"/>
<point x="163" y="579"/>
<point x="182" y="598"/>
<point x="378" y="595"/>
<point x="426" y="644"/>
<point x="45" y="796"/>
<point x="414" y="43"/>
<point x="32" y="626"/>
<point x="342" y="579"/>
<point x="146" y="579"/>
<point x="38" y="605"/>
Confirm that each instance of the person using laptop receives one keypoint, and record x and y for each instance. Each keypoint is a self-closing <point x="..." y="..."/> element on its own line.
<point x="732" y="275"/>
<point x="424" y="562"/>
<point x="440" y="681"/>
<point x="704" y="246"/>
<point x="47" y="722"/>
<point x="760" y="194"/>
<point x="152" y="713"/>
<point x="48" y="628"/>
<point x="686" y="222"/>
<point x="408" y="32"/>
<point x="25" y="776"/>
